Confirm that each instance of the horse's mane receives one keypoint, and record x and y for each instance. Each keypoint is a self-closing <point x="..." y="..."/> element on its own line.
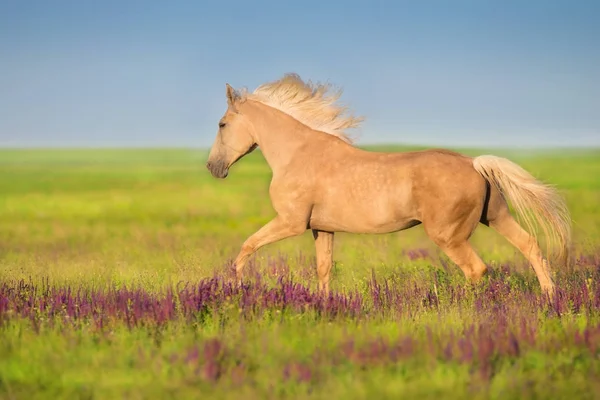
<point x="312" y="104"/>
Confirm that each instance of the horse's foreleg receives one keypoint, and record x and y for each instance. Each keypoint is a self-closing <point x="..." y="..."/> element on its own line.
<point x="324" y="250"/>
<point x="275" y="230"/>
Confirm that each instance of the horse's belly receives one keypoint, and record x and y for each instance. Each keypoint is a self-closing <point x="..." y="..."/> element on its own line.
<point x="361" y="219"/>
<point x="372" y="200"/>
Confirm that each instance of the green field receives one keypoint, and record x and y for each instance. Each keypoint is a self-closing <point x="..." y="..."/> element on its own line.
<point x="114" y="283"/>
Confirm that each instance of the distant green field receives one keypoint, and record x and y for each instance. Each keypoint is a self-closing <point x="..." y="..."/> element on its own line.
<point x="93" y="243"/>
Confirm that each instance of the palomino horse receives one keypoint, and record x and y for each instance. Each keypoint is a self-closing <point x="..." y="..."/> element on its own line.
<point x="322" y="182"/>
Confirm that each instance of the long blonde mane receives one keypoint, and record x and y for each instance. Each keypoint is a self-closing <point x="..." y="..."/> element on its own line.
<point x="312" y="104"/>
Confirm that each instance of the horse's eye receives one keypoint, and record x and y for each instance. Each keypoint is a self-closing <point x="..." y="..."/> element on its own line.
<point x="222" y="124"/>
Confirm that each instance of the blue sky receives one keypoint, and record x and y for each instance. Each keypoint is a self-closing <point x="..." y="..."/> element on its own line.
<point x="440" y="73"/>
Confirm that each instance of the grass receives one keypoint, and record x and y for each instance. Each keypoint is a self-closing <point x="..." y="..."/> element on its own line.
<point x="114" y="282"/>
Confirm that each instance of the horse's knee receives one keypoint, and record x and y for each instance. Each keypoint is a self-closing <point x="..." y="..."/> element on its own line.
<point x="297" y="229"/>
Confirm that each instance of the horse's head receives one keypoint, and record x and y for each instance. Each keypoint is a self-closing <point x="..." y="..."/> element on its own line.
<point x="234" y="139"/>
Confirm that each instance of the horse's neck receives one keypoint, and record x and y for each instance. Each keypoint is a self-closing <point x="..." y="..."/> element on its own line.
<point x="278" y="136"/>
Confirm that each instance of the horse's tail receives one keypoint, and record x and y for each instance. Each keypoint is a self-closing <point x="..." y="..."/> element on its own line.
<point x="532" y="200"/>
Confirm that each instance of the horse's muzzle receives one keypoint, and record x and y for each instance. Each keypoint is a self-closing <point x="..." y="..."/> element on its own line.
<point x="218" y="169"/>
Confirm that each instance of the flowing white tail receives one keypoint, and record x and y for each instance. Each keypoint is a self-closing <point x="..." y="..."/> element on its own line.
<point x="532" y="200"/>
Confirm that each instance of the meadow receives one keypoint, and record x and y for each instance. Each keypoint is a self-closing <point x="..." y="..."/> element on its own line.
<point x="115" y="282"/>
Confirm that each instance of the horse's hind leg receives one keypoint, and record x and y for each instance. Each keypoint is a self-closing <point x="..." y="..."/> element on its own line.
<point x="463" y="255"/>
<point x="450" y="231"/>
<point x="506" y="225"/>
<point x="452" y="237"/>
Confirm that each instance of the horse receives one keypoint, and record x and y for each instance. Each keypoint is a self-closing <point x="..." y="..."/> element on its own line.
<point x="324" y="183"/>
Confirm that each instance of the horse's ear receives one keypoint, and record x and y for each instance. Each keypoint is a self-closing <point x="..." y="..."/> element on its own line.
<point x="232" y="96"/>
